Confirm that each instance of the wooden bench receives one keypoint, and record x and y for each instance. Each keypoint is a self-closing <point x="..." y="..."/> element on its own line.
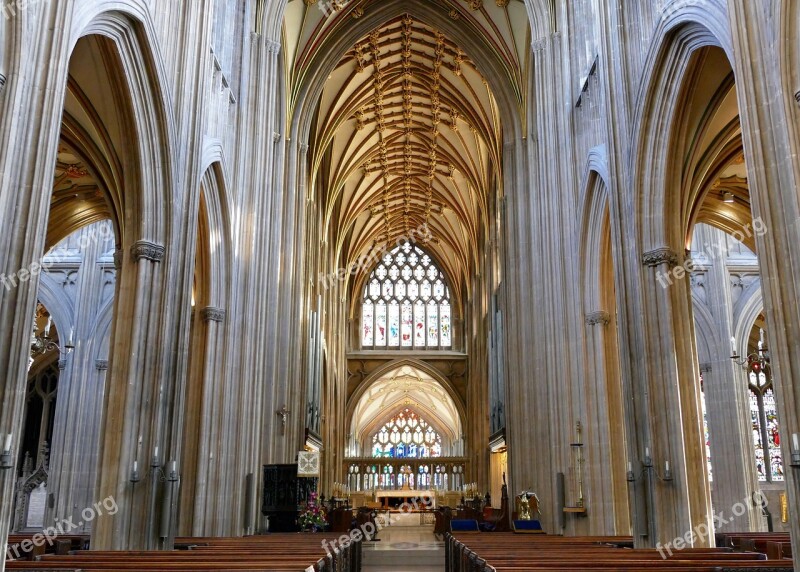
<point x="503" y="552"/>
<point x="28" y="546"/>
<point x="273" y="553"/>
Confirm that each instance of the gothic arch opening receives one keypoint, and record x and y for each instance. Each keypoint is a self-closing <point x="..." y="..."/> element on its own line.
<point x="405" y="145"/>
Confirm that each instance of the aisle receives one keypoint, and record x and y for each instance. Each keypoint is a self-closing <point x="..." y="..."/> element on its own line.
<point x="404" y="549"/>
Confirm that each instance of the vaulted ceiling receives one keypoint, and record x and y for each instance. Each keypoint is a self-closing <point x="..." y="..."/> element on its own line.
<point x="408" y="131"/>
<point x="405" y="387"/>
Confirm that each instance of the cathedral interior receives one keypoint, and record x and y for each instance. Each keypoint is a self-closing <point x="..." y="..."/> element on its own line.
<point x="479" y="252"/>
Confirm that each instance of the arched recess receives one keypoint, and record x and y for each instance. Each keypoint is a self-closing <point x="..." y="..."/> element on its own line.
<point x="669" y="177"/>
<point x="136" y="113"/>
<point x="603" y="400"/>
<point x="209" y="401"/>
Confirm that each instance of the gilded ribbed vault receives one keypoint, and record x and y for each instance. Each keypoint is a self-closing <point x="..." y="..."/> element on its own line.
<point x="408" y="134"/>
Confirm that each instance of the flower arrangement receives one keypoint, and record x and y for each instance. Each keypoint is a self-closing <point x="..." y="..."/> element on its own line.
<point x="312" y="517"/>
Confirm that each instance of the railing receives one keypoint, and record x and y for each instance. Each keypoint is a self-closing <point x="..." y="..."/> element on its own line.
<point x="367" y="474"/>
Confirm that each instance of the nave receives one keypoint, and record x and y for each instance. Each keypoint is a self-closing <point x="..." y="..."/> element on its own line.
<point x="258" y="254"/>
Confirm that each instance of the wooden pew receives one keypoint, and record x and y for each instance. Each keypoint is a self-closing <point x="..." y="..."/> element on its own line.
<point x="511" y="553"/>
<point x="19" y="545"/>
<point x="273" y="553"/>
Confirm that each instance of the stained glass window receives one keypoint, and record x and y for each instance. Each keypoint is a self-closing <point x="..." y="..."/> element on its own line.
<point x="764" y="419"/>
<point x="407" y="436"/>
<point x="706" y="436"/>
<point x="406" y="303"/>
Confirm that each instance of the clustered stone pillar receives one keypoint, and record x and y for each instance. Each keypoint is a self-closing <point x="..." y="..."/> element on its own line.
<point x="669" y="425"/>
<point x="726" y="396"/>
<point x="764" y="39"/>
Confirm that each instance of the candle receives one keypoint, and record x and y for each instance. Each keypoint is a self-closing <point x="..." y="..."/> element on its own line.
<point x="174" y="466"/>
<point x="646" y="452"/>
<point x="666" y="466"/>
<point x="733" y="345"/>
<point x="136" y="466"/>
<point x="761" y="338"/>
<point x="795" y="443"/>
<point x="7" y="446"/>
<point x="155" y="455"/>
<point x="71" y="341"/>
<point x="630" y="467"/>
<point x="760" y="345"/>
<point x="47" y="327"/>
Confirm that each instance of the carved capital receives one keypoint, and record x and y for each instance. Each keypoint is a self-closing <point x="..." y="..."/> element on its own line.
<point x="661" y="256"/>
<point x="598" y="318"/>
<point x="212" y="314"/>
<point x="101" y="364"/>
<point x="705" y="367"/>
<point x="304" y="147"/>
<point x="539" y="44"/>
<point x="797" y="96"/>
<point x="148" y="251"/>
<point x="2" y="82"/>
<point x="62" y="364"/>
<point x="273" y="47"/>
<point x="118" y="260"/>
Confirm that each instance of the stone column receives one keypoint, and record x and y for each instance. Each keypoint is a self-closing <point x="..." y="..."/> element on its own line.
<point x="604" y="449"/>
<point x="727" y="397"/>
<point x="76" y="431"/>
<point x="770" y="117"/>
<point x="134" y="417"/>
<point x="30" y="111"/>
<point x="209" y="499"/>
<point x="668" y="415"/>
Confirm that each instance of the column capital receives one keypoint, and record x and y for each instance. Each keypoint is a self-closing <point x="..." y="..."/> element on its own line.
<point x="659" y="256"/>
<point x="212" y="314"/>
<point x="797" y="96"/>
<point x="118" y="259"/>
<point x="598" y="318"/>
<point x="273" y="46"/>
<point x="62" y="364"/>
<point x="101" y="364"/>
<point x="705" y="367"/>
<point x="147" y="250"/>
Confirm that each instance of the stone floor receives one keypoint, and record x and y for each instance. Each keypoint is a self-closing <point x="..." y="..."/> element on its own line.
<point x="404" y="549"/>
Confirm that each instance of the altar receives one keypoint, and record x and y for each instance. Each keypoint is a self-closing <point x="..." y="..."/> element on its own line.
<point x="416" y="499"/>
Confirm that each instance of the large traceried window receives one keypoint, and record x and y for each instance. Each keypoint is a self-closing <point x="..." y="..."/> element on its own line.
<point x="764" y="419"/>
<point x="406" y="303"/>
<point x="407" y="436"/>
